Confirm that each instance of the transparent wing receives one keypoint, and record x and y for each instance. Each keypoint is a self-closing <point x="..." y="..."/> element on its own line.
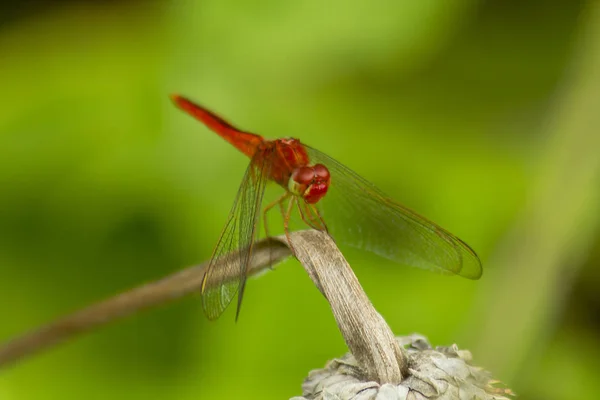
<point x="227" y="271"/>
<point x="360" y="215"/>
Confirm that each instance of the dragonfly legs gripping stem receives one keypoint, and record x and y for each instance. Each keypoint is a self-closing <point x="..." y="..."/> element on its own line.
<point x="286" y="221"/>
<point x="269" y="206"/>
<point x="309" y="213"/>
<point x="279" y="201"/>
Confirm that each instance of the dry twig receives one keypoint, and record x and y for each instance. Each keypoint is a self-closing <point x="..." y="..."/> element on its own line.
<point x="367" y="335"/>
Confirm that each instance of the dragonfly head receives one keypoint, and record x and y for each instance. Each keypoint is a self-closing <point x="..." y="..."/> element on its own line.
<point x="310" y="183"/>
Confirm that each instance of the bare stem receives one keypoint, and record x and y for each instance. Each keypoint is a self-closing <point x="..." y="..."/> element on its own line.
<point x="367" y="335"/>
<point x="179" y="284"/>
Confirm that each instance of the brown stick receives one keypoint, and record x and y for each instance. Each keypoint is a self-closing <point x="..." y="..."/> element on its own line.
<point x="179" y="284"/>
<point x="367" y="335"/>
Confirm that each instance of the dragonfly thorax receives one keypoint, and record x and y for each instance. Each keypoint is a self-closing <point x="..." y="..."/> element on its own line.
<point x="310" y="182"/>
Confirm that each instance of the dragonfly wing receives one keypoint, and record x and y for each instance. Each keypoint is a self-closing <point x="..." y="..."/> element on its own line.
<point x="364" y="217"/>
<point x="228" y="268"/>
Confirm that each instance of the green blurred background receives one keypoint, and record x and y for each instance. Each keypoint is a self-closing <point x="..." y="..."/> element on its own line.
<point x="481" y="115"/>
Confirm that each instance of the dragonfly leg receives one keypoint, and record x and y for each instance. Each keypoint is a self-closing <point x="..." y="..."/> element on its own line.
<point x="286" y="219"/>
<point x="269" y="207"/>
<point x="318" y="214"/>
<point x="311" y="216"/>
<point x="265" y="211"/>
<point x="303" y="213"/>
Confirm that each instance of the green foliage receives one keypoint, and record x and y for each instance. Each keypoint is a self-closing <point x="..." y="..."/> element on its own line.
<point x="104" y="184"/>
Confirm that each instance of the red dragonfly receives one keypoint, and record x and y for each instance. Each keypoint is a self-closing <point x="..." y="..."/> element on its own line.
<point x="321" y="189"/>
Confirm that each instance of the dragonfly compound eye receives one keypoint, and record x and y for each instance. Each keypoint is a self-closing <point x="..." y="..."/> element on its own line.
<point x="319" y="185"/>
<point x="315" y="192"/>
<point x="303" y="175"/>
<point x="322" y="173"/>
<point x="300" y="180"/>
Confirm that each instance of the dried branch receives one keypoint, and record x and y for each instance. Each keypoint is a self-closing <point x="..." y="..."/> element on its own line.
<point x="177" y="285"/>
<point x="367" y="335"/>
<point x="379" y="364"/>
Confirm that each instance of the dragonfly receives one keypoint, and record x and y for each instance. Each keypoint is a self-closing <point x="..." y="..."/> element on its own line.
<point x="321" y="189"/>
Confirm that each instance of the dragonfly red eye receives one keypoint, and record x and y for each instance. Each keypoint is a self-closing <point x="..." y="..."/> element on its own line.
<point x="303" y="175"/>
<point x="320" y="184"/>
<point x="315" y="192"/>
<point x="300" y="179"/>
<point x="310" y="183"/>
<point x="321" y="172"/>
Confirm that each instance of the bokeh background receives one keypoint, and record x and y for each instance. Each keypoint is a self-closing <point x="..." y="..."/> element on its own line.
<point x="482" y="115"/>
